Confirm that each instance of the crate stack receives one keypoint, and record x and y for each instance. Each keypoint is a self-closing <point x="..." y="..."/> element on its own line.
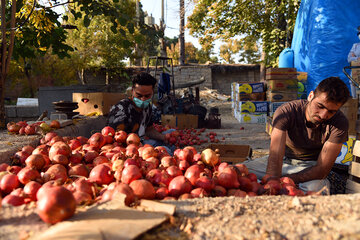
<point x="249" y="105"/>
<point x="282" y="86"/>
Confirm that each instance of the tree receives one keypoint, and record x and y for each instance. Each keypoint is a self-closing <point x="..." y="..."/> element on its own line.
<point x="192" y="54"/>
<point x="33" y="28"/>
<point x="271" y="22"/>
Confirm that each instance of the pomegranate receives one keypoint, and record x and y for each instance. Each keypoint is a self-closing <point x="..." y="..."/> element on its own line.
<point x="179" y="185"/>
<point x="218" y="191"/>
<point x="14" y="169"/>
<point x="12" y="200"/>
<point x="174" y="171"/>
<point x="108" y="131"/>
<point x="120" y="136"/>
<point x="228" y="178"/>
<point x="199" y="193"/>
<point x="60" y="159"/>
<point x="244" y="171"/>
<point x="56" y="204"/>
<point x="146" y="166"/>
<point x="161" y="193"/>
<point x="13" y="127"/>
<point x="167" y="161"/>
<point x="252" y="177"/>
<point x="100" y="159"/>
<point x="193" y="173"/>
<point x="183" y="165"/>
<point x="20" y="157"/>
<point x="101" y="174"/>
<point x="56" y="172"/>
<point x="131" y="150"/>
<point x="245" y="184"/>
<point x="185" y="154"/>
<point x="143" y="189"/>
<point x="9" y="182"/>
<point x="30" y="130"/>
<point x="59" y="148"/>
<point x="148" y="152"/>
<point x="222" y="166"/>
<point x="82" y="198"/>
<point x="236" y="193"/>
<point x="133" y="138"/>
<point x="127" y="190"/>
<point x="209" y="157"/>
<point x="205" y="182"/>
<point x="54" y="140"/>
<point x="36" y="161"/>
<point x="185" y="196"/>
<point x="31" y="189"/>
<point x="287" y="181"/>
<point x="272" y="186"/>
<point x="74" y="144"/>
<point x="28" y="174"/>
<point x="55" y="124"/>
<point x="3" y="167"/>
<point x="75" y="157"/>
<point x="90" y="156"/>
<point x="28" y="148"/>
<point x="78" y="170"/>
<point x="97" y="140"/>
<point x="130" y="173"/>
<point x="154" y="160"/>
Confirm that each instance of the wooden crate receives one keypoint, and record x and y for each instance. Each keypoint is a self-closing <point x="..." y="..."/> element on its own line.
<point x="353" y="183"/>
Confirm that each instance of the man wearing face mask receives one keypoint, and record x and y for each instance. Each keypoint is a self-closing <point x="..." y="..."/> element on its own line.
<point x="133" y="114"/>
<point x="307" y="137"/>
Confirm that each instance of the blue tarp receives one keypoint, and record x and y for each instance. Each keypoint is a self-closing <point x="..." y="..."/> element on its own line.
<point x="324" y="33"/>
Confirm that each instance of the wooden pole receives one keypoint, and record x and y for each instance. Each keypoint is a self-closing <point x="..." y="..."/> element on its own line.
<point x="3" y="64"/>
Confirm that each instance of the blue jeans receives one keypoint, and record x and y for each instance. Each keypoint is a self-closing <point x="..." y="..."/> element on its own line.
<point x="169" y="148"/>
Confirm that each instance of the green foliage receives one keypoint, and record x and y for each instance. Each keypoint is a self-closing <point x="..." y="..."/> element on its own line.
<point x="270" y="22"/>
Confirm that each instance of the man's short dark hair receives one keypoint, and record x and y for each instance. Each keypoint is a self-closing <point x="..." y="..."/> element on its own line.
<point x="143" y="79"/>
<point x="335" y="88"/>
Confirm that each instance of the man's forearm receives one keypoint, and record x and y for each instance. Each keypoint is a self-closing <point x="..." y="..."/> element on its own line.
<point x="308" y="174"/>
<point x="274" y="166"/>
<point x="153" y="134"/>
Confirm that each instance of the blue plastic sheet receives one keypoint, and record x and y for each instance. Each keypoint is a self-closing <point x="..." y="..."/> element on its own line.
<point x="324" y="33"/>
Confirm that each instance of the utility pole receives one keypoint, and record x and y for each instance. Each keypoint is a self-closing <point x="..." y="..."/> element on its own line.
<point x="137" y="51"/>
<point x="162" y="29"/>
<point x="181" y="35"/>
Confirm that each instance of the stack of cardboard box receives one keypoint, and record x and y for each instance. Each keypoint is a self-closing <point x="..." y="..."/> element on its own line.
<point x="248" y="102"/>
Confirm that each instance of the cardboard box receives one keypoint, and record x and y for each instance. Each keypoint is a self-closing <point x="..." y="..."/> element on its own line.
<point x="273" y="106"/>
<point x="250" y="87"/>
<point x="350" y="110"/>
<point x="232" y="153"/>
<point x="280" y="96"/>
<point x="253" y="107"/>
<point x="180" y="121"/>
<point x="281" y="73"/>
<point x="282" y="85"/>
<point x="252" y="96"/>
<point x="251" y="117"/>
<point x="96" y="101"/>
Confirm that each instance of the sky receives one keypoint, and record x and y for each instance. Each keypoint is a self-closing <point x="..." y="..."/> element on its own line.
<point x="171" y="17"/>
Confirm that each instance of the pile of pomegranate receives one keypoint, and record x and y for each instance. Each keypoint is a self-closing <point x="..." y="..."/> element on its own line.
<point x="63" y="172"/>
<point x="23" y="128"/>
<point x="188" y="137"/>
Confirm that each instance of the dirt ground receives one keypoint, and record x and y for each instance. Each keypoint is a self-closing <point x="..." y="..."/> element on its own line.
<point x="264" y="217"/>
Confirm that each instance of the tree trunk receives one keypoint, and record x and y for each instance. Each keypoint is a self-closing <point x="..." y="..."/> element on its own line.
<point x="3" y="65"/>
<point x="181" y="36"/>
